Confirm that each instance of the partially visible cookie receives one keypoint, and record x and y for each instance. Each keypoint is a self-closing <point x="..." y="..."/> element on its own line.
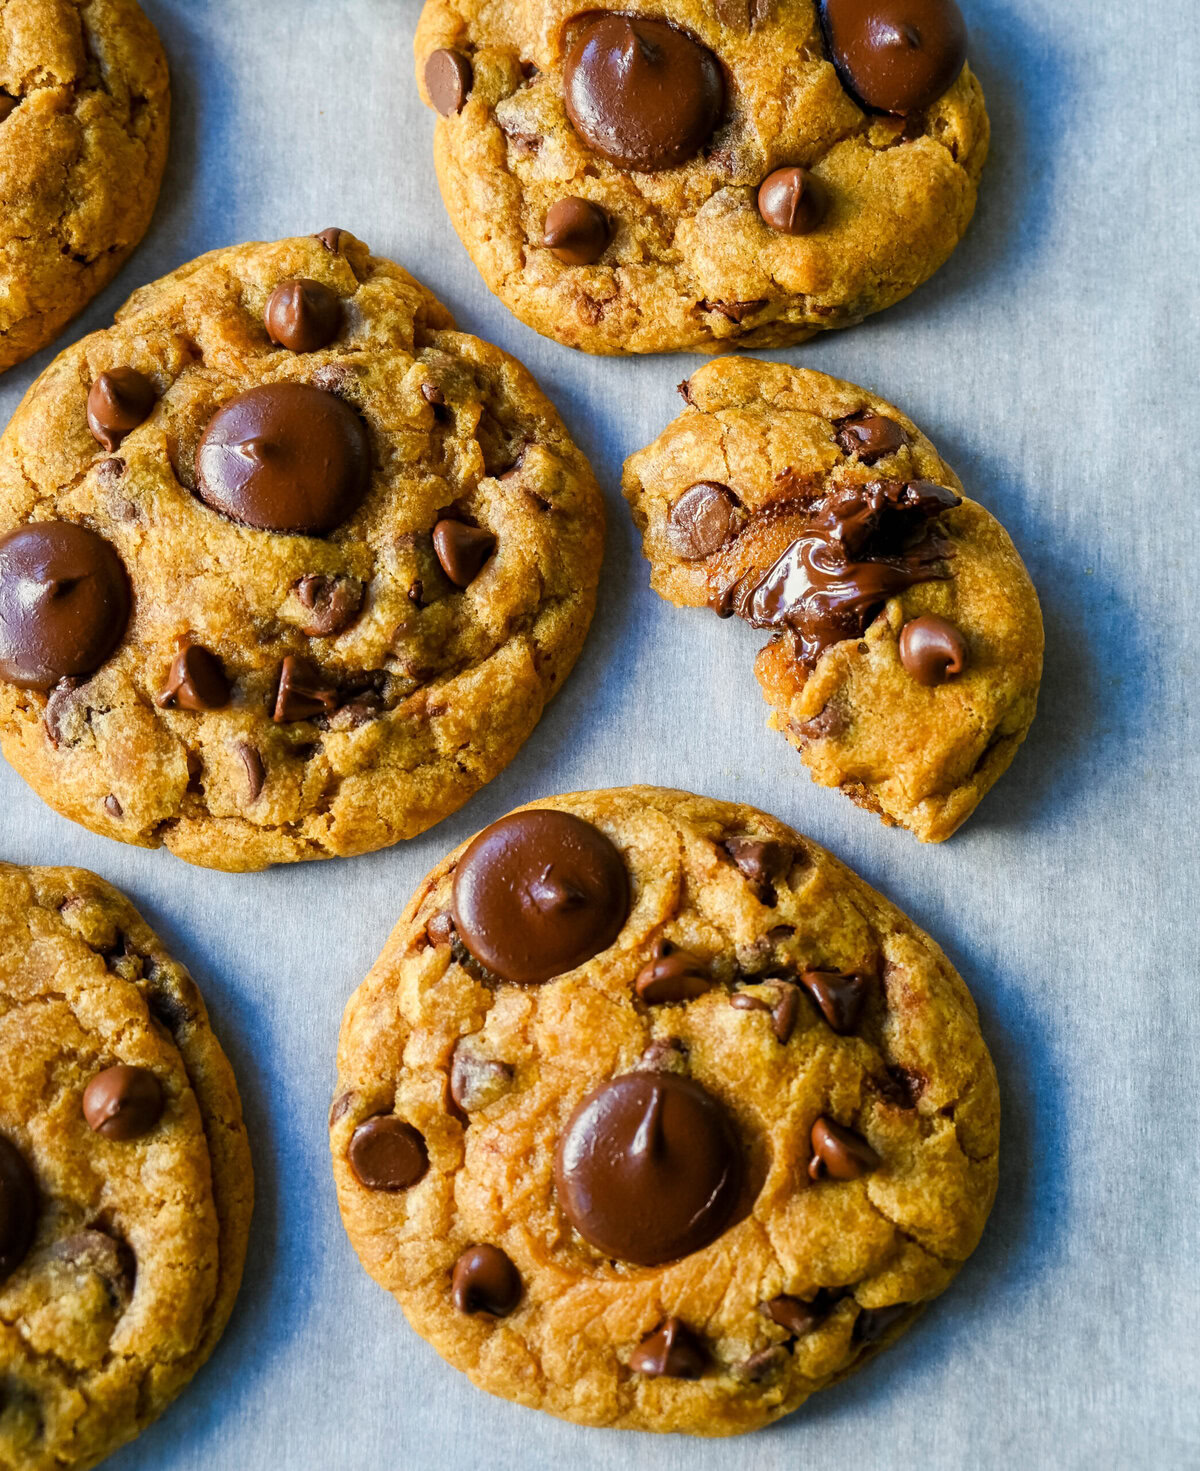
<point x="684" y="173"/>
<point x="125" y="1177"/>
<point x="654" y="1116"/>
<point x="906" y="648"/>
<point x="84" y="116"/>
<point x="289" y="568"/>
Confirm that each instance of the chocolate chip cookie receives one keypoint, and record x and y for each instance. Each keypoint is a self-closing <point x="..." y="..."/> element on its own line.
<point x="288" y="566"/>
<point x="84" y="116"/>
<point x="677" y="174"/>
<point x="125" y="1178"/>
<point x="653" y="1115"/>
<point x="906" y="639"/>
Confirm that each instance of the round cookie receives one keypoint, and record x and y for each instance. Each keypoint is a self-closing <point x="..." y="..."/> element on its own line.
<point x="906" y="648"/>
<point x="694" y="1179"/>
<point x="683" y="173"/>
<point x="84" y="118"/>
<point x="328" y="560"/>
<point x="125" y="1177"/>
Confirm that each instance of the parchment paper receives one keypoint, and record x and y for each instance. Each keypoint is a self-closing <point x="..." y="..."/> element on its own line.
<point x="1054" y="363"/>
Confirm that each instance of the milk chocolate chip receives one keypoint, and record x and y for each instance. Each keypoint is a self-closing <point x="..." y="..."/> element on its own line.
<point x="448" y="78"/>
<point x="302" y="315"/>
<point x="285" y="457"/>
<point x="118" y="401"/>
<point x="484" y="1280"/>
<point x="332" y="603"/>
<point x="839" y="1153"/>
<point x="576" y="231"/>
<point x="672" y="1351"/>
<point x="872" y="1323"/>
<point x="674" y="975"/>
<point x="462" y="550"/>
<point x="840" y="997"/>
<point x="18" y="1208"/>
<point x="648" y="1168"/>
<point x="792" y="201"/>
<point x="870" y="437"/>
<point x="641" y="93"/>
<point x="701" y="520"/>
<point x="195" y="681"/>
<point x="387" y="1154"/>
<point x="300" y="695"/>
<point x="123" y="1102"/>
<point x="796" y="1315"/>
<point x="64" y="603"/>
<point x="895" y="55"/>
<point x="538" y="893"/>
<point x="932" y="650"/>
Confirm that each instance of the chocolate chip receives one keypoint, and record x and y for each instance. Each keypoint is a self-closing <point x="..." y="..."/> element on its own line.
<point x="168" y="999"/>
<point x="872" y="1323"/>
<point x="113" y="807"/>
<point x="195" y="681"/>
<point x="932" y="650"/>
<point x="331" y="239"/>
<point x="672" y="1351"/>
<point x="648" y="1168"/>
<point x="436" y="400"/>
<point x="64" y="603"/>
<point x="448" y="78"/>
<point x="763" y="1364"/>
<point x="387" y="1154"/>
<point x="538" y="893"/>
<point x="333" y="603"/>
<point x="792" y="201"/>
<point x="118" y="401"/>
<point x="641" y="93"/>
<point x="895" y="55"/>
<point x="840" y="996"/>
<point x="299" y="694"/>
<point x="665" y="1055"/>
<point x="462" y="550"/>
<point x="302" y="315"/>
<point x="256" y="773"/>
<point x="59" y="707"/>
<point x="576" y="231"/>
<point x="340" y="1106"/>
<point x="674" y="975"/>
<point x="783" y="1008"/>
<point x="797" y="1316"/>
<point x="440" y="929"/>
<point x="123" y="1102"/>
<point x="476" y="1082"/>
<point x="733" y="311"/>
<point x="108" y="473"/>
<point x="485" y="1280"/>
<point x="900" y="1086"/>
<point x="762" y="861"/>
<point x="18" y="1208"/>
<point x="839" y="1153"/>
<point x="870" y="437"/>
<point x="701" y="521"/>
<point x="285" y="457"/>
<point x="97" y="1254"/>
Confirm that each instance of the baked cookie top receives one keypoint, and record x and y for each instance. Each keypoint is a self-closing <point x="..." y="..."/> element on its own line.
<point x="653" y="1115"/>
<point x="84" y="117"/>
<point x="906" y="647"/>
<point x="288" y="566"/>
<point x="125" y="1177"/>
<point x="677" y="174"/>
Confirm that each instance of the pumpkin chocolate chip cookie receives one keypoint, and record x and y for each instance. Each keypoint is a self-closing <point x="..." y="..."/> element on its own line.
<point x="906" y="638"/>
<point x="652" y="1115"/>
<point x="84" y="111"/>
<point x="676" y="174"/>
<point x="288" y="566"/>
<point x="125" y="1178"/>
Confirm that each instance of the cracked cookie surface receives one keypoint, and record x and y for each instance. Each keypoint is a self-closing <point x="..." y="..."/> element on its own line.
<point x="740" y="479"/>
<point x="666" y="253"/>
<point x="132" y="1168"/>
<point x="409" y="580"/>
<point x="758" y="992"/>
<point x="84" y="116"/>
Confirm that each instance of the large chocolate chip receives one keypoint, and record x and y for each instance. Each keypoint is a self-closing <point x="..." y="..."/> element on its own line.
<point x="872" y="1323"/>
<point x="462" y="550"/>
<point x="796" y="1315"/>
<point x="302" y="315"/>
<point x="870" y="437"/>
<point x="332" y="603"/>
<point x="642" y="93"/>
<point x="576" y="231"/>
<point x="839" y="1152"/>
<point x="648" y="1168"/>
<point x="387" y="1154"/>
<point x="448" y="78"/>
<point x="300" y="695"/>
<point x="932" y="650"/>
<point x="840" y="996"/>
<point x="538" y="893"/>
<point x="285" y="457"/>
<point x="792" y="201"/>
<point x="195" y="681"/>
<point x="672" y="976"/>
<point x="118" y="401"/>
<point x="672" y="1351"/>
<point x="123" y="1102"/>
<point x="485" y="1280"/>
<point x="18" y="1208"/>
<point x="895" y="55"/>
<point x="701" y="520"/>
<point x="64" y="603"/>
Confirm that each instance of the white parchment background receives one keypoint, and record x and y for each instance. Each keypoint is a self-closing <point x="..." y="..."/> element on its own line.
<point x="1054" y="362"/>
